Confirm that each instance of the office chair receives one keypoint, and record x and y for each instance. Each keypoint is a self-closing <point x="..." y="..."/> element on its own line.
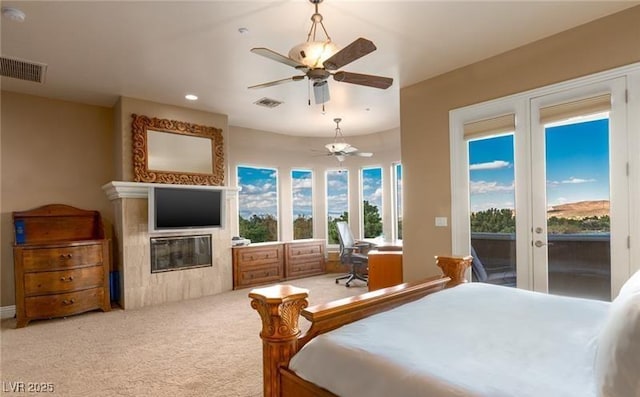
<point x="351" y="253"/>
<point x="504" y="275"/>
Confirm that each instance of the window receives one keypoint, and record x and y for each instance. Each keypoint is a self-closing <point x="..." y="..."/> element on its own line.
<point x="397" y="193"/>
<point x="302" y="203"/>
<point x="492" y="204"/>
<point x="258" y="203"/>
<point x="337" y="202"/>
<point x="371" y="188"/>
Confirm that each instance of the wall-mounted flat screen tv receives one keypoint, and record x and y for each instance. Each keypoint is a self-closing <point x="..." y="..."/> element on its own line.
<point x="185" y="208"/>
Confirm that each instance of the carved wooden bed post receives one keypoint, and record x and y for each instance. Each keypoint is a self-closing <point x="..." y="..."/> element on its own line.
<point x="454" y="267"/>
<point x="279" y="307"/>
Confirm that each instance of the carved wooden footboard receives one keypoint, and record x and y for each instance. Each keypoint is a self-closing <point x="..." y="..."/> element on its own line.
<point x="280" y="307"/>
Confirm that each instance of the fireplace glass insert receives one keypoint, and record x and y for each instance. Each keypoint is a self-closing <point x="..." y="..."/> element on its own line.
<point x="180" y="252"/>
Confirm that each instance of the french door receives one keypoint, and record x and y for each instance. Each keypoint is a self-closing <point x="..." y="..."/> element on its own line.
<point x="579" y="189"/>
<point x="561" y="220"/>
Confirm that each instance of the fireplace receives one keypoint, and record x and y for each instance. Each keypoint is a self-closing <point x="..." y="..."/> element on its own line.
<point x="180" y="253"/>
<point x="206" y="251"/>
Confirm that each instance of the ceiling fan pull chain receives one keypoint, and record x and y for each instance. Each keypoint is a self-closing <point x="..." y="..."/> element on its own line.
<point x="309" y="92"/>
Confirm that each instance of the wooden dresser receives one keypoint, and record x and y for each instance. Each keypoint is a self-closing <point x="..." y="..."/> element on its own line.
<point x="263" y="263"/>
<point x="258" y="263"/>
<point x="304" y="258"/>
<point x="61" y="261"/>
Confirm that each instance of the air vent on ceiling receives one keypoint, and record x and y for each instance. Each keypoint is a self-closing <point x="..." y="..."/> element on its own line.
<point x="268" y="102"/>
<point x="22" y="69"/>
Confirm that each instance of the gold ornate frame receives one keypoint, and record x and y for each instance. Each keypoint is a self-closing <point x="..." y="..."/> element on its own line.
<point x="141" y="171"/>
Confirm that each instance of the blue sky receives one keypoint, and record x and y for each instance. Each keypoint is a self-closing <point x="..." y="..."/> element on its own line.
<point x="577" y="157"/>
<point x="301" y="183"/>
<point x="259" y="193"/>
<point x="337" y="192"/>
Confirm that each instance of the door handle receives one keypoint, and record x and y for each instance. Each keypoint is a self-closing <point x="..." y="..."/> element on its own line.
<point x="539" y="244"/>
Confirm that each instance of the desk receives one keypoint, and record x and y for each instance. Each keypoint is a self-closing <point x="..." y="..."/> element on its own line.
<point x="385" y="268"/>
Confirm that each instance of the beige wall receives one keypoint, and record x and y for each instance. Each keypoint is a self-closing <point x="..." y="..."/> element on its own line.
<point x="600" y="45"/>
<point x="52" y="152"/>
<point x="266" y="149"/>
<point x="123" y="140"/>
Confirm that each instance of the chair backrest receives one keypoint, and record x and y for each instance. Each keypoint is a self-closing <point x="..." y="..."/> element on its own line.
<point x="344" y="235"/>
<point x="477" y="267"/>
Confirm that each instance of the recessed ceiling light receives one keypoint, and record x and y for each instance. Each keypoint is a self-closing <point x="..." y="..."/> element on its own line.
<point x="243" y="30"/>
<point x="191" y="97"/>
<point x="13" y="14"/>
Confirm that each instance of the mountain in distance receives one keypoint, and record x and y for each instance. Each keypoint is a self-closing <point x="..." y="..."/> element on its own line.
<point x="579" y="210"/>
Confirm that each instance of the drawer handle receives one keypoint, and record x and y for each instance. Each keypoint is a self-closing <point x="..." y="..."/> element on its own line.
<point x="68" y="302"/>
<point x="65" y="256"/>
<point x="70" y="278"/>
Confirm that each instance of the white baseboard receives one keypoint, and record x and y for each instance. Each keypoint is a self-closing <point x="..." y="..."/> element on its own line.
<point x="7" y="311"/>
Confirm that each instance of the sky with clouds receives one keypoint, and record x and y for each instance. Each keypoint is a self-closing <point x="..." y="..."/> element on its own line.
<point x="258" y="195"/>
<point x="577" y="157"/>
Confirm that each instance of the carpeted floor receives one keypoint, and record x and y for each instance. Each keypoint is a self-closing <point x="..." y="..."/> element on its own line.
<point x="200" y="347"/>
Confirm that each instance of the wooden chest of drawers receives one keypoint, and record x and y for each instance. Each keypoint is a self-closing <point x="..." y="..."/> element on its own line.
<point x="264" y="263"/>
<point x="59" y="278"/>
<point x="257" y="264"/>
<point x="304" y="258"/>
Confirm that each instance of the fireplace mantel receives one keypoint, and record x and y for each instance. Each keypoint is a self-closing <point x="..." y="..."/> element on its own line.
<point x="119" y="189"/>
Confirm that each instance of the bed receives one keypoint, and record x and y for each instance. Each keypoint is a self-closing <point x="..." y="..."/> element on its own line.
<point x="444" y="337"/>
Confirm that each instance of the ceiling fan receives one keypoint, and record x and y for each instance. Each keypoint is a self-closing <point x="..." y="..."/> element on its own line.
<point x="320" y="59"/>
<point x="341" y="149"/>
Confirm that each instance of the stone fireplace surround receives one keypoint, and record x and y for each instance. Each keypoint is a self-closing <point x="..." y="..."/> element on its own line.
<point x="138" y="286"/>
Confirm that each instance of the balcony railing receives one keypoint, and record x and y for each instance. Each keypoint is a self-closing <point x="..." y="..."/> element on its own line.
<point x="579" y="264"/>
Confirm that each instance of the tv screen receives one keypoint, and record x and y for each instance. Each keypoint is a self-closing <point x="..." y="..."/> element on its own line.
<point x="182" y="208"/>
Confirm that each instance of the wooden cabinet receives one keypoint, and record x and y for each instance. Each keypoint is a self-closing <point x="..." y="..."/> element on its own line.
<point x="61" y="263"/>
<point x="263" y="263"/>
<point x="304" y="258"/>
<point x="257" y="264"/>
<point x="385" y="269"/>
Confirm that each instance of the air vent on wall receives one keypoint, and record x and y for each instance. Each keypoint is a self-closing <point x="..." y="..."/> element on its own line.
<point x="22" y="69"/>
<point x="268" y="102"/>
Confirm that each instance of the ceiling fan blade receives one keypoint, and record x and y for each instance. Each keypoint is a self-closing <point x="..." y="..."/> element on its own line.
<point x="357" y="49"/>
<point x="321" y="92"/>
<point x="267" y="53"/>
<point x="350" y="149"/>
<point x="363" y="79"/>
<point x="278" y="82"/>
<point x="363" y="154"/>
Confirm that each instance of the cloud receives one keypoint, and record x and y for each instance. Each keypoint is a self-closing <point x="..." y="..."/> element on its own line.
<point x="300" y="183"/>
<point x="571" y="181"/>
<point x="481" y="187"/>
<point x="492" y="165"/>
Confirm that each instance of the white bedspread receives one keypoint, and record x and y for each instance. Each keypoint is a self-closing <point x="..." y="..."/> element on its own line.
<point x="471" y="340"/>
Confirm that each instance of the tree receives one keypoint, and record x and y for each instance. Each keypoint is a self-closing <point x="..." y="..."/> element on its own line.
<point x="259" y="228"/>
<point x="333" y="230"/>
<point x="372" y="221"/>
<point x="493" y="220"/>
<point x="303" y="227"/>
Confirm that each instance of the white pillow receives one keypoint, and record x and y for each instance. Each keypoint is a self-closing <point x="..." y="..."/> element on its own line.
<point x="617" y="365"/>
<point x="632" y="285"/>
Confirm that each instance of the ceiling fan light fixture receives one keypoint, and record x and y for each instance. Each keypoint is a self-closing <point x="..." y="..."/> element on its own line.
<point x="312" y="54"/>
<point x="337" y="147"/>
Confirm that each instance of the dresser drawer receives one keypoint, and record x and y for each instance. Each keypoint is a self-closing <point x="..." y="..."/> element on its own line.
<point x="61" y="257"/>
<point x="64" y="304"/>
<point x="299" y="253"/>
<point x="63" y="280"/>
<point x="259" y="256"/>
<point x="260" y="274"/>
<point x="301" y="268"/>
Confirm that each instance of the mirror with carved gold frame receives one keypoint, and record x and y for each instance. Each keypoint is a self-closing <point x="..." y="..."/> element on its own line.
<point x="176" y="152"/>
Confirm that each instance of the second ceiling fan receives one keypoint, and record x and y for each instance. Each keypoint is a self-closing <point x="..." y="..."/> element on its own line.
<point x="320" y="59"/>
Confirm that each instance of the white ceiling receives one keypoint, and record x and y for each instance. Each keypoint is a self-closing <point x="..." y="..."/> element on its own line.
<point x="97" y="51"/>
